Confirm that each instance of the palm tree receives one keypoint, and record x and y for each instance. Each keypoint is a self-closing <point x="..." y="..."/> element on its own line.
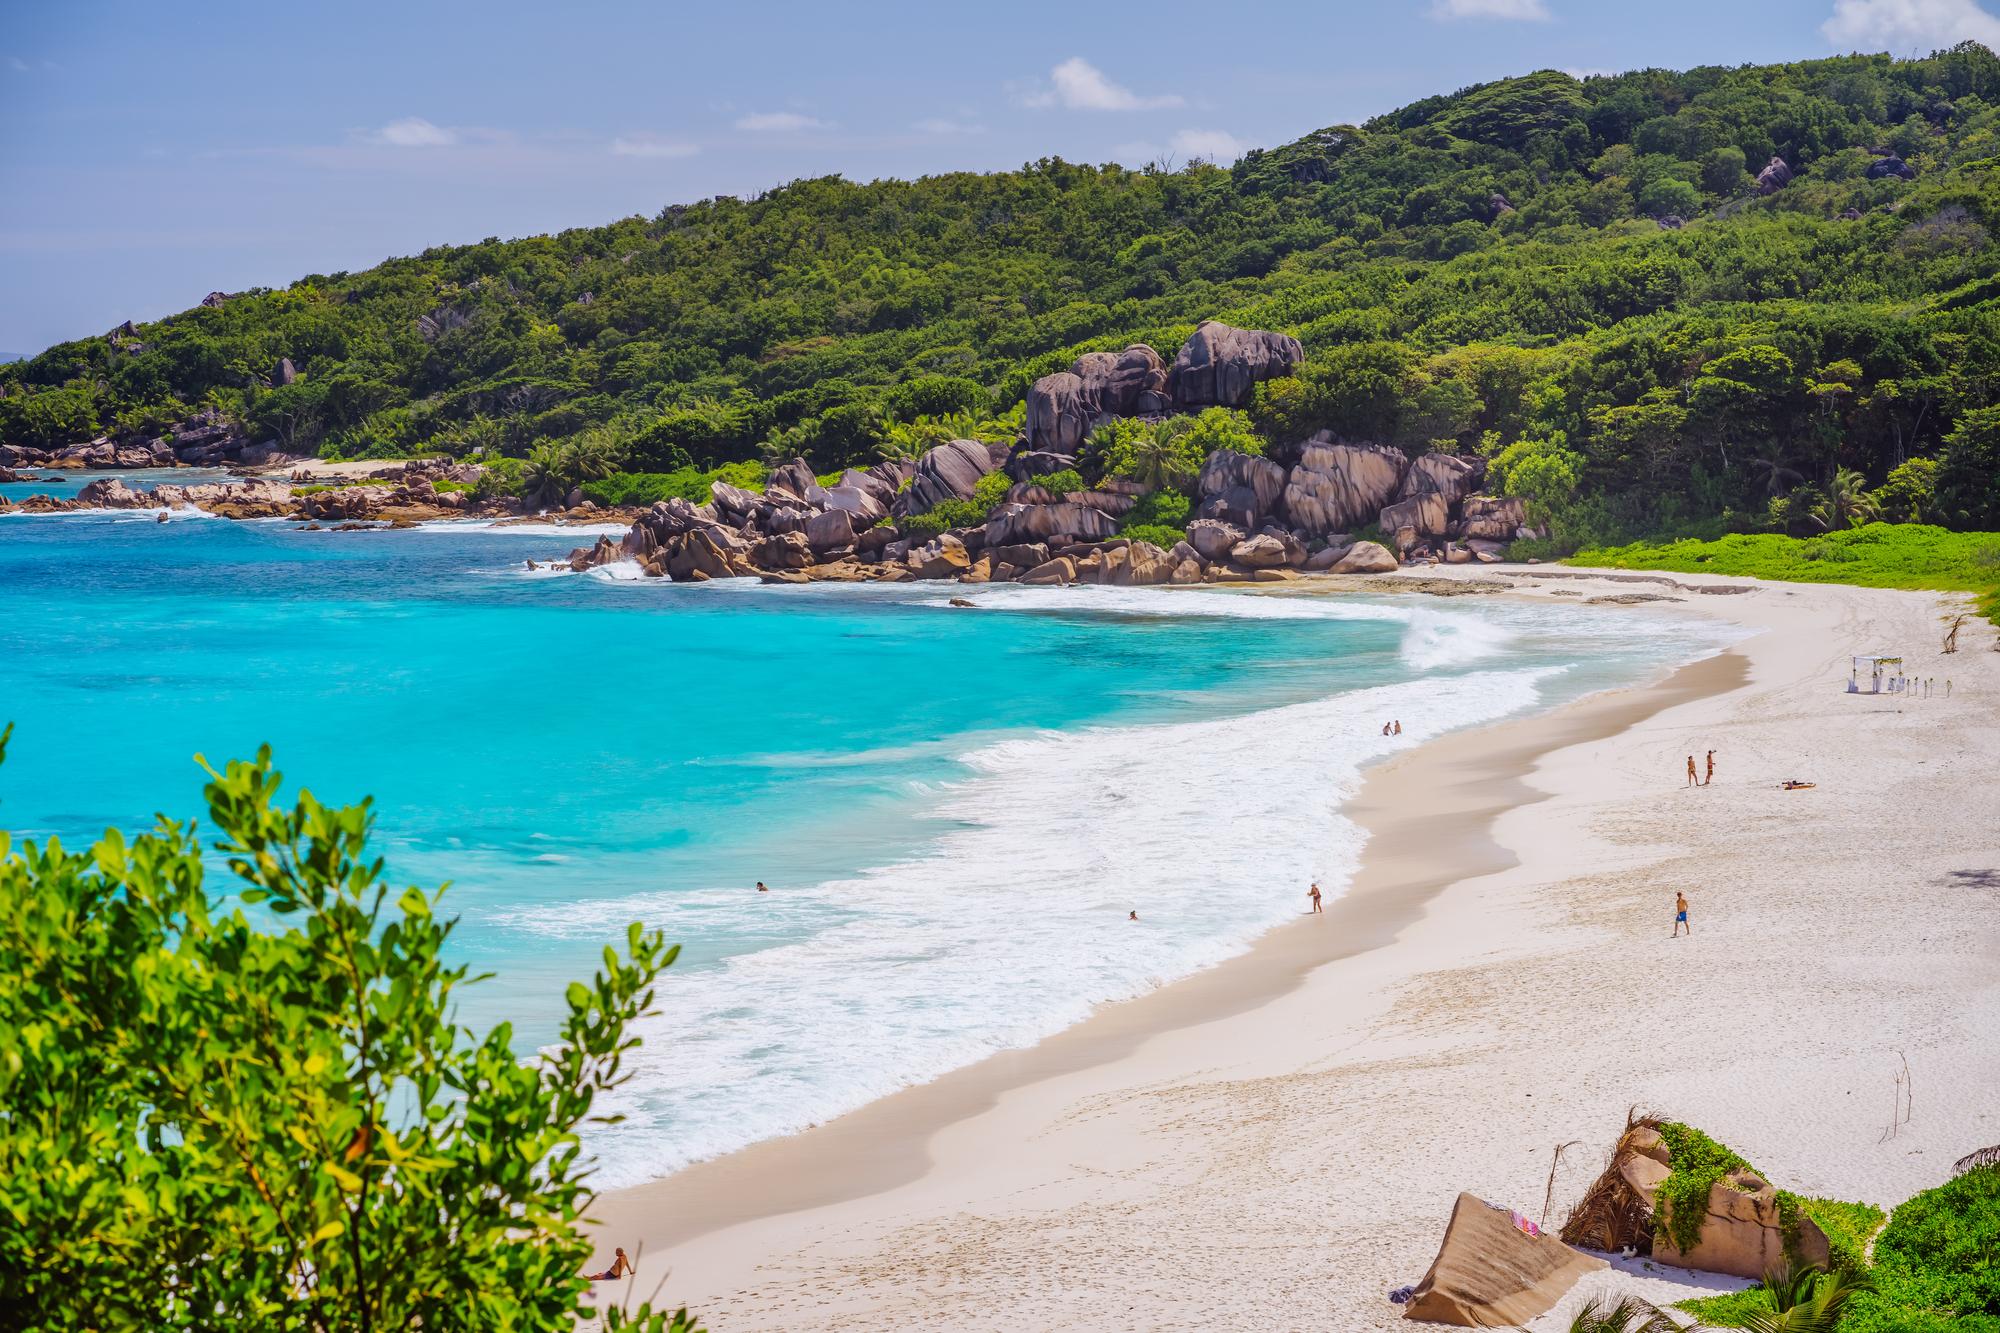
<point x="545" y="474"/>
<point x="1628" y="1315"/>
<point x="1773" y="471"/>
<point x="1806" y="1300"/>
<point x="1847" y="503"/>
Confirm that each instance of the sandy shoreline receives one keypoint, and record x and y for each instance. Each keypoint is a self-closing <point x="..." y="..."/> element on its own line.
<point x="1336" y="1085"/>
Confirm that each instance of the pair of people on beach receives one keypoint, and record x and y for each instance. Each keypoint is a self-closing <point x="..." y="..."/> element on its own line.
<point x="1704" y="780"/>
<point x="1392" y="728"/>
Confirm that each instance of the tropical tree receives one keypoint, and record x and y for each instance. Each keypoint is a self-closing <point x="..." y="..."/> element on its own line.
<point x="1846" y="503"/>
<point x="253" y="1108"/>
<point x="1628" y="1314"/>
<point x="1806" y="1299"/>
<point x="1772" y="472"/>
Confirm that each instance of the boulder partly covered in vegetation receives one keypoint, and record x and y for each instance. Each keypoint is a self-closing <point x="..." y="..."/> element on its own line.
<point x="1673" y="1192"/>
<point x="1220" y="364"/>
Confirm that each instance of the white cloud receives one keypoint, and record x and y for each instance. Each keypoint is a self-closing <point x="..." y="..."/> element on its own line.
<point x="1078" y="85"/>
<point x="1532" y="11"/>
<point x="778" y="122"/>
<point x="17" y="64"/>
<point x="1214" y="145"/>
<point x="941" y="126"/>
<point x="648" y="145"/>
<point x="1909" y="25"/>
<point x="415" y="132"/>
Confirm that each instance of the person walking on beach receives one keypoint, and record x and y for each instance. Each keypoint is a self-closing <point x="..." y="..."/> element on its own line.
<point x="1692" y="780"/>
<point x="1681" y="914"/>
<point x="1709" y="776"/>
<point x="1314" y="895"/>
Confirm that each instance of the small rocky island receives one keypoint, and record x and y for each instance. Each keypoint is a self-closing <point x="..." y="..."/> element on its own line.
<point x="1316" y="505"/>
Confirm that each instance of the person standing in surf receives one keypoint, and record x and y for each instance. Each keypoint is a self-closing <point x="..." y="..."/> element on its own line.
<point x="1314" y="895"/>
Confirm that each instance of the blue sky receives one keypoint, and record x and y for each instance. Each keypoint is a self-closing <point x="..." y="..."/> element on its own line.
<point x="152" y="153"/>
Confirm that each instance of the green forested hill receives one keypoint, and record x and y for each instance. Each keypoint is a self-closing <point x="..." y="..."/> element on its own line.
<point x="1580" y="279"/>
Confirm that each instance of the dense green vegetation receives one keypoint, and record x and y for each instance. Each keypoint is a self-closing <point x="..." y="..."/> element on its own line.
<point x="1934" y="1264"/>
<point x="1502" y="269"/>
<point x="1879" y="555"/>
<point x="251" y="1107"/>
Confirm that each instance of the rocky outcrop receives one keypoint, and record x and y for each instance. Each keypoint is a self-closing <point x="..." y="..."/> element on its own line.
<point x="1130" y="383"/>
<point x="1452" y="476"/>
<point x="1741" y="1233"/>
<point x="1490" y="518"/>
<point x="1040" y="522"/>
<point x="1059" y="414"/>
<point x="830" y="533"/>
<point x="1412" y="520"/>
<point x="1366" y="558"/>
<point x="1269" y="550"/>
<point x="1027" y="464"/>
<point x="1340" y="487"/>
<point x="1220" y="364"/>
<point x="1774" y="177"/>
<point x="1884" y="167"/>
<point x="1238" y="488"/>
<point x="1212" y="539"/>
<point x="948" y="472"/>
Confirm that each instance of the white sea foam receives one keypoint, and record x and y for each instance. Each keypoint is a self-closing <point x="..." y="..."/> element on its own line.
<point x="524" y="529"/>
<point x="1012" y="924"/>
<point x="1175" y="603"/>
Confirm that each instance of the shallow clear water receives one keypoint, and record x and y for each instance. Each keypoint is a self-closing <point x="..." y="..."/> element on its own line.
<point x="955" y="809"/>
<point x="139" y="479"/>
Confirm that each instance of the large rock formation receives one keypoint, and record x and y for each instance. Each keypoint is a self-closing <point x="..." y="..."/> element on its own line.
<point x="1212" y="539"/>
<point x="1016" y="523"/>
<point x="1238" y="489"/>
<point x="1420" y="516"/>
<point x="1774" y="177"/>
<point x="1741" y="1233"/>
<point x="1340" y="487"/>
<point x="1219" y="364"/>
<point x="1124" y="384"/>
<point x="1366" y="558"/>
<point x="1891" y="165"/>
<point x="1450" y="475"/>
<point x="1490" y="518"/>
<point x="1059" y="414"/>
<point x="948" y="472"/>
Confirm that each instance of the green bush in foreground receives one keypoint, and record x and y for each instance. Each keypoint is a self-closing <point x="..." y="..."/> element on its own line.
<point x="1877" y="555"/>
<point x="267" y="1119"/>
<point x="1937" y="1263"/>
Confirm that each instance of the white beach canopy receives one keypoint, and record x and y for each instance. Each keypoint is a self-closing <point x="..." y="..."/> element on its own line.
<point x="1882" y="670"/>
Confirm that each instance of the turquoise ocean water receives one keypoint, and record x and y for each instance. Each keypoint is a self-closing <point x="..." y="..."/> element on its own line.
<point x="955" y="809"/>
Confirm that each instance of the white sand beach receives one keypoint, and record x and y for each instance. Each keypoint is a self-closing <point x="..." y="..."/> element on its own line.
<point x="1277" y="1142"/>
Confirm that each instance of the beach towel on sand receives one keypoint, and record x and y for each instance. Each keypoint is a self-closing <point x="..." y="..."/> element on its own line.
<point x="1490" y="1273"/>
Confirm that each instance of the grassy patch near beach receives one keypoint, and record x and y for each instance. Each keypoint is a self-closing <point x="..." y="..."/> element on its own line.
<point x="1879" y="555"/>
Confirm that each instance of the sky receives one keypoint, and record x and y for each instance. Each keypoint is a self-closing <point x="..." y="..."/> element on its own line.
<point x="150" y="153"/>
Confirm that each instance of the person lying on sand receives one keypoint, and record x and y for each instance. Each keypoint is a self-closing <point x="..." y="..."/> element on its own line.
<point x="1793" y="784"/>
<point x="620" y="1266"/>
<point x="1681" y="913"/>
